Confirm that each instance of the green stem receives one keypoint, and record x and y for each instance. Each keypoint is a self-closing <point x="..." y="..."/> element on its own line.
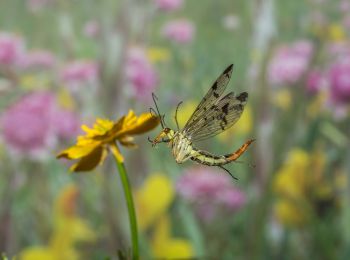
<point x="131" y="208"/>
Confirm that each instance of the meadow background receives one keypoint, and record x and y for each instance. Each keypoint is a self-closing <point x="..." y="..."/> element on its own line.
<point x="66" y="63"/>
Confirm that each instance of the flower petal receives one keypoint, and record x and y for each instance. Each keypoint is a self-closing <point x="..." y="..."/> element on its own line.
<point x="114" y="149"/>
<point x="153" y="199"/>
<point x="164" y="245"/>
<point x="90" y="161"/>
<point x="127" y="141"/>
<point x="76" y="152"/>
<point x="145" y="122"/>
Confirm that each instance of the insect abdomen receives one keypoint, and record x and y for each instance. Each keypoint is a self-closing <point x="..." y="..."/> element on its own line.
<point x="206" y="158"/>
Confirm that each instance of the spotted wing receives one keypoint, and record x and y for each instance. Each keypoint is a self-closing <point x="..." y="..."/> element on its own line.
<point x="209" y="99"/>
<point x="218" y="117"/>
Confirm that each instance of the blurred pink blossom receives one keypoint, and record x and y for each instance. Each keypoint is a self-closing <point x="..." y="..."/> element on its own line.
<point x="35" y="121"/>
<point x="91" y="29"/>
<point x="209" y="190"/>
<point x="344" y="6"/>
<point x="315" y="81"/>
<point x="338" y="50"/>
<point x="66" y="124"/>
<point x="79" y="72"/>
<point x="289" y="63"/>
<point x="339" y="81"/>
<point x="27" y="123"/>
<point x="180" y="31"/>
<point x="346" y="21"/>
<point x="318" y="18"/>
<point x="169" y="5"/>
<point x="37" y="5"/>
<point x="37" y="59"/>
<point x="11" y="48"/>
<point x="141" y="74"/>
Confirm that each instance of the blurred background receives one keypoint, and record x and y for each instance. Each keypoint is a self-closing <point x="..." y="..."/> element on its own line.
<point x="65" y="63"/>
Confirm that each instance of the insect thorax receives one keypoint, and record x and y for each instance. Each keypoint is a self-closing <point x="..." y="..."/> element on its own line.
<point x="181" y="147"/>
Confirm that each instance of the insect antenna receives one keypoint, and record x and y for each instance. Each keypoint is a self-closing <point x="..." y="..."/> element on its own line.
<point x="161" y="117"/>
<point x="222" y="167"/>
<point x="177" y="108"/>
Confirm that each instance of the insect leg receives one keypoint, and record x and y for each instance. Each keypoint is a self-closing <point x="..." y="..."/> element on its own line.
<point x="249" y="164"/>
<point x="177" y="108"/>
<point x="222" y="167"/>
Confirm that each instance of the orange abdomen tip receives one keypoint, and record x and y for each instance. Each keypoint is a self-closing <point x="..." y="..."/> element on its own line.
<point x="234" y="156"/>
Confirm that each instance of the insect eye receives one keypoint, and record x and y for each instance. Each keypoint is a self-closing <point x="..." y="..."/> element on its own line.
<point x="166" y="130"/>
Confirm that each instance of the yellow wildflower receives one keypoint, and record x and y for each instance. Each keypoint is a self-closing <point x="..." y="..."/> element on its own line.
<point x="157" y="54"/>
<point x="317" y="104"/>
<point x="34" y="82"/>
<point x="291" y="179"/>
<point x="69" y="229"/>
<point x="153" y="199"/>
<point x="65" y="99"/>
<point x="336" y="33"/>
<point x="91" y="149"/>
<point x="164" y="245"/>
<point x="301" y="185"/>
<point x="282" y="99"/>
<point x="291" y="213"/>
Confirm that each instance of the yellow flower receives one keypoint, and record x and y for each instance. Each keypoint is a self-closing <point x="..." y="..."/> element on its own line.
<point x="291" y="180"/>
<point x="336" y="33"/>
<point x="34" y="82"/>
<point x="300" y="185"/>
<point x="69" y="229"/>
<point x="153" y="199"/>
<point x="65" y="99"/>
<point x="164" y="245"/>
<point x="157" y="54"/>
<point x="91" y="149"/>
<point x="317" y="104"/>
<point x="292" y="214"/>
<point x="282" y="99"/>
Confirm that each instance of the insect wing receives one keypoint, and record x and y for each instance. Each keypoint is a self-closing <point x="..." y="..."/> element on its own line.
<point x="209" y="99"/>
<point x="219" y="117"/>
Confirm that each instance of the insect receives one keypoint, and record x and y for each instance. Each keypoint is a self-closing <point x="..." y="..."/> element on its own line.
<point x="214" y="114"/>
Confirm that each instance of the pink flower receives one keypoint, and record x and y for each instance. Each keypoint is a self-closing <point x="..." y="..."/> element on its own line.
<point x="38" y="59"/>
<point x="91" y="29"/>
<point x="338" y="50"/>
<point x="168" y="5"/>
<point x="315" y="81"/>
<point x="34" y="122"/>
<point x="37" y="5"/>
<point x="79" y="72"/>
<point x="344" y="6"/>
<point x="339" y="81"/>
<point x="346" y="21"/>
<point x="27" y="123"/>
<point x="209" y="190"/>
<point x="180" y="31"/>
<point x="289" y="63"/>
<point x="65" y="123"/>
<point x="141" y="74"/>
<point x="11" y="48"/>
